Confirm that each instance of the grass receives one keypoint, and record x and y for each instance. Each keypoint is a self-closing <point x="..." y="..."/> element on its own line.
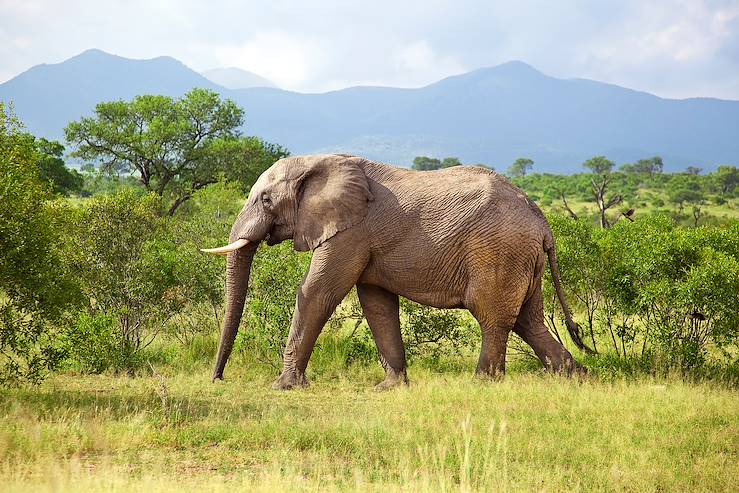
<point x="446" y="432"/>
<point x="711" y="213"/>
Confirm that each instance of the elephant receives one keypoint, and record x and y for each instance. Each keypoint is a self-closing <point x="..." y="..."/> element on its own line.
<point x="461" y="237"/>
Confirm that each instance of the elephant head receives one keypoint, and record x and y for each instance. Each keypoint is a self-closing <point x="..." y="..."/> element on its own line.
<point x="306" y="199"/>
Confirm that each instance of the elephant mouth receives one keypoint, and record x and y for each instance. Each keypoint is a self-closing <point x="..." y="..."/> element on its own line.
<point x="279" y="233"/>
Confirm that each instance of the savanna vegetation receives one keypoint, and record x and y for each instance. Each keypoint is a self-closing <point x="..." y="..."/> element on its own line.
<point x="109" y="318"/>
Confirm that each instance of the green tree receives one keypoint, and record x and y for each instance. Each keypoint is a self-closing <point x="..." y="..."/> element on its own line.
<point x="450" y="162"/>
<point x="727" y="177"/>
<point x="599" y="165"/>
<point x="520" y="167"/>
<point x="173" y="146"/>
<point x="651" y="166"/>
<point x="693" y="170"/>
<point x="137" y="269"/>
<point x="601" y="168"/>
<point x="254" y="154"/>
<point x="35" y="288"/>
<point x="53" y="169"/>
<point x="425" y="163"/>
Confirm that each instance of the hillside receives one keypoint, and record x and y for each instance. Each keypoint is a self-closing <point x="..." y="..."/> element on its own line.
<point x="491" y="115"/>
<point x="236" y="78"/>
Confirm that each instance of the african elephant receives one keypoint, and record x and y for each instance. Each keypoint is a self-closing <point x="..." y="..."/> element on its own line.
<point x="462" y="237"/>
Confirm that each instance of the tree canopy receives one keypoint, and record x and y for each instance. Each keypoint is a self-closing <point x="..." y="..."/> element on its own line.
<point x="650" y="166"/>
<point x="520" y="167"/>
<point x="52" y="168"/>
<point x="600" y="165"/>
<point x="425" y="163"/>
<point x="174" y="146"/>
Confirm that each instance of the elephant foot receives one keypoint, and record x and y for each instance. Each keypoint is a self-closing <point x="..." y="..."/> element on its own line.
<point x="489" y="375"/>
<point x="289" y="381"/>
<point x="392" y="379"/>
<point x="566" y="366"/>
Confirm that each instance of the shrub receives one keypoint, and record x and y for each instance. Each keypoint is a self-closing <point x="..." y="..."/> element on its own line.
<point x="94" y="345"/>
<point x="137" y="268"/>
<point x="275" y="276"/>
<point x="35" y="288"/>
<point x="650" y="286"/>
<point x="432" y="333"/>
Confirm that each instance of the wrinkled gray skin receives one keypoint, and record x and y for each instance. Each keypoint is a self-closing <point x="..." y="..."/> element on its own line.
<point x="462" y="237"/>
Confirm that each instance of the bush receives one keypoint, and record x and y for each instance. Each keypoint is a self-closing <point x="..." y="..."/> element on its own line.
<point x="431" y="333"/>
<point x="94" y="345"/>
<point x="35" y="288"/>
<point x="275" y="276"/>
<point x="137" y="268"/>
<point x="652" y="287"/>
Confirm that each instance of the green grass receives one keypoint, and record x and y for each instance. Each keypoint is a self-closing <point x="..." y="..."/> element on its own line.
<point x="712" y="213"/>
<point x="446" y="432"/>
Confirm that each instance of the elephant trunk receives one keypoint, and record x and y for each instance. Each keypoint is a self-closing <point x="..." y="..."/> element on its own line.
<point x="238" y="267"/>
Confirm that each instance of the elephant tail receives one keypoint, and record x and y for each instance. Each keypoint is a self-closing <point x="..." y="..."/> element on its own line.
<point x="572" y="327"/>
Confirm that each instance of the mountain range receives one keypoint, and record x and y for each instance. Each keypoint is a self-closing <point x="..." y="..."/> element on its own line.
<point x="236" y="78"/>
<point x="490" y="115"/>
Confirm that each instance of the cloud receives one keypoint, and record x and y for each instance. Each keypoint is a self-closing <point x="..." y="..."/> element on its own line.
<point x="277" y="55"/>
<point x="419" y="63"/>
<point x="675" y="48"/>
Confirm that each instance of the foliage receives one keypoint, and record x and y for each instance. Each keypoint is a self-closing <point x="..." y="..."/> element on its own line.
<point x="727" y="178"/>
<point x="693" y="170"/>
<point x="431" y="333"/>
<point x="649" y="166"/>
<point x="97" y="181"/>
<point x="275" y="277"/>
<point x="52" y="168"/>
<point x="247" y="158"/>
<point x="35" y="290"/>
<point x="137" y="268"/>
<point x="175" y="146"/>
<point x="649" y="286"/>
<point x="94" y="345"/>
<point x="424" y="163"/>
<point x="520" y="167"/>
<point x="599" y="165"/>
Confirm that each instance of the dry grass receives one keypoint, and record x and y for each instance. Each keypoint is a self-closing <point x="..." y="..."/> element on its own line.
<point x="444" y="433"/>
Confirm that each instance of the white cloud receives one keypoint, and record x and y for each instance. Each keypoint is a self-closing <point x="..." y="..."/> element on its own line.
<point x="421" y="65"/>
<point x="675" y="48"/>
<point x="277" y="55"/>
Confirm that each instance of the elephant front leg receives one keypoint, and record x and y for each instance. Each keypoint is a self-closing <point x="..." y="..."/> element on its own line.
<point x="382" y="311"/>
<point x="334" y="269"/>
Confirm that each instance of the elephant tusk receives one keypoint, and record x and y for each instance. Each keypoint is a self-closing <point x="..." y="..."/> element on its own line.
<point x="224" y="250"/>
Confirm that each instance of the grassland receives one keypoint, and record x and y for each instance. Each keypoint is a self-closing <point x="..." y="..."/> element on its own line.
<point x="176" y="431"/>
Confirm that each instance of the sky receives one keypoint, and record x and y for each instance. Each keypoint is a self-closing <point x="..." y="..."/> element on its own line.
<point x="671" y="48"/>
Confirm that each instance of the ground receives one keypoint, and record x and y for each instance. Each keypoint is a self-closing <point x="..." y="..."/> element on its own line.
<point x="446" y="432"/>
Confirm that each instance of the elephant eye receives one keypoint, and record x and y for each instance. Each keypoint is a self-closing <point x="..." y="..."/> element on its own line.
<point x="266" y="201"/>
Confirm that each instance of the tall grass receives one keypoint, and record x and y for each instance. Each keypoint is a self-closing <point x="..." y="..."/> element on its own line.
<point x="175" y="430"/>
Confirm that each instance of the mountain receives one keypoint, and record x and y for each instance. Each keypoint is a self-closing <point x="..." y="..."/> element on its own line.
<point x="236" y="78"/>
<point x="47" y="97"/>
<point x="491" y="115"/>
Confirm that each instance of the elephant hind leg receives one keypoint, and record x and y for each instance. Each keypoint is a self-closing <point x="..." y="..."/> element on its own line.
<point x="496" y="325"/>
<point x="531" y="328"/>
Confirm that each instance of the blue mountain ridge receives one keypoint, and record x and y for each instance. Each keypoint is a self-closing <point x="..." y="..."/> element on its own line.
<point x="490" y="115"/>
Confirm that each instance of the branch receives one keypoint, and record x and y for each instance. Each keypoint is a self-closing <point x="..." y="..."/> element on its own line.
<point x="615" y="200"/>
<point x="567" y="206"/>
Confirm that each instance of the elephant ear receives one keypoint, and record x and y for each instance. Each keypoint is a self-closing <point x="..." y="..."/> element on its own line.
<point x="333" y="196"/>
